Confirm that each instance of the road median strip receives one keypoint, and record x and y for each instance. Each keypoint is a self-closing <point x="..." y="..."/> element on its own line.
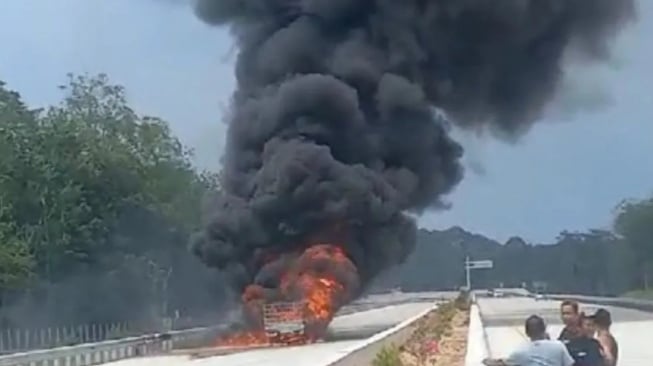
<point x="437" y="335"/>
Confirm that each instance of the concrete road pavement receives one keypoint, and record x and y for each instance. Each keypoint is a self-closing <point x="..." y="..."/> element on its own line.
<point x="384" y="317"/>
<point x="300" y="356"/>
<point x="375" y="301"/>
<point x="309" y="355"/>
<point x="504" y="323"/>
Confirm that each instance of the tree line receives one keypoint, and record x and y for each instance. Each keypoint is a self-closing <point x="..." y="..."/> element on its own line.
<point x="596" y="262"/>
<point x="97" y="203"/>
<point x="96" y="206"/>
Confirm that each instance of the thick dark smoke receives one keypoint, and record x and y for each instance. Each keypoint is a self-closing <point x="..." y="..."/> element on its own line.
<point x="333" y="121"/>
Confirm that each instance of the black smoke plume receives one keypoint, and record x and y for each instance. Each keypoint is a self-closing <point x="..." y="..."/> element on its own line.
<point x="333" y="121"/>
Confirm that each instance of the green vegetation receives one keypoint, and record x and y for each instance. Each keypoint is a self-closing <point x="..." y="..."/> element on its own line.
<point x="96" y="205"/>
<point x="639" y="294"/>
<point x="444" y="314"/>
<point x="463" y="302"/>
<point x="388" y="356"/>
<point x="635" y="224"/>
<point x="597" y="262"/>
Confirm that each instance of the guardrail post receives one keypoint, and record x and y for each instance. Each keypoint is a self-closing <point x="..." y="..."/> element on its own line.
<point x="17" y="335"/>
<point x="27" y="340"/>
<point x="10" y="340"/>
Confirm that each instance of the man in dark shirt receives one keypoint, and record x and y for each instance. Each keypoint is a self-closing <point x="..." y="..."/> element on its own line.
<point x="570" y="318"/>
<point x="583" y="348"/>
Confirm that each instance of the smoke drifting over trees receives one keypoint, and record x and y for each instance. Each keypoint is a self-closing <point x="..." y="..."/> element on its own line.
<point x="333" y="118"/>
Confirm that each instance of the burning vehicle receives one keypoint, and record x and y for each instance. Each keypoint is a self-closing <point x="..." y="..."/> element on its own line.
<point x="285" y="322"/>
<point x="299" y="311"/>
<point x="334" y="146"/>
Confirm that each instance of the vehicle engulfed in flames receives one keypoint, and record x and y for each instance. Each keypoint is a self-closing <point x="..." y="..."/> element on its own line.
<point x="298" y="311"/>
<point x="285" y="322"/>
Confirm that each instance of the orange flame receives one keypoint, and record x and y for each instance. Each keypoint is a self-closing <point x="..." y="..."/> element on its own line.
<point x="248" y="338"/>
<point x="319" y="290"/>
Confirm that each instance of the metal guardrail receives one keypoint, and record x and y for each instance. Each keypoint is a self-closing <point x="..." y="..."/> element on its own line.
<point x="13" y="340"/>
<point x="622" y="302"/>
<point x="108" y="351"/>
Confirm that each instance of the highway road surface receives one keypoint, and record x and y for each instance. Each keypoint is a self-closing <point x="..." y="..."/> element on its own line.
<point x="356" y="328"/>
<point x="503" y="319"/>
<point x="310" y="355"/>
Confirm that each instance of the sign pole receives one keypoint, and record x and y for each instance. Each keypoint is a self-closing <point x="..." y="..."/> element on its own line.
<point x="468" y="274"/>
<point x="470" y="265"/>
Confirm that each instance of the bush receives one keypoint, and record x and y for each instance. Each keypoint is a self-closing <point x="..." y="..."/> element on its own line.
<point x="463" y="301"/>
<point x="388" y="356"/>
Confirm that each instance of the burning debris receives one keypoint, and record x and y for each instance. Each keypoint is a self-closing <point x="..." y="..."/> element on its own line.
<point x="333" y="137"/>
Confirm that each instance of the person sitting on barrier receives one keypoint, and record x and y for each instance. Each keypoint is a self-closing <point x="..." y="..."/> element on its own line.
<point x="603" y="321"/>
<point x="540" y="351"/>
<point x="583" y="348"/>
<point x="569" y="314"/>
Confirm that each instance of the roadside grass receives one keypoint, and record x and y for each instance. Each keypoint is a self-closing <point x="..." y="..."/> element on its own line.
<point x="639" y="294"/>
<point x="388" y="356"/>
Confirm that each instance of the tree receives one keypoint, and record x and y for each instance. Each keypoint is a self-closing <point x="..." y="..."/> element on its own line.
<point x="594" y="262"/>
<point x="16" y="261"/>
<point x="95" y="197"/>
<point x="634" y="222"/>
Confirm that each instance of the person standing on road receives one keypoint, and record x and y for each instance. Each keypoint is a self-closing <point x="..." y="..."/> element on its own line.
<point x="584" y="348"/>
<point x="540" y="351"/>
<point x="587" y="325"/>
<point x="569" y="314"/>
<point x="603" y="321"/>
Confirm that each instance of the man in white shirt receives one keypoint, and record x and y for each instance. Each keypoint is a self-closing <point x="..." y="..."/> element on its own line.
<point x="540" y="351"/>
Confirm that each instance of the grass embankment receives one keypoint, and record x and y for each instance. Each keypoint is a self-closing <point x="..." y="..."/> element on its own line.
<point x="639" y="294"/>
<point x="439" y="340"/>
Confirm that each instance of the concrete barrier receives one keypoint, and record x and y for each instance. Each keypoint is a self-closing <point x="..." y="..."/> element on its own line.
<point x="364" y="353"/>
<point x="623" y="302"/>
<point x="477" y="343"/>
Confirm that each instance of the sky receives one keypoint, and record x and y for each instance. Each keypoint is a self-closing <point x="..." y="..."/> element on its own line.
<point x="568" y="173"/>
